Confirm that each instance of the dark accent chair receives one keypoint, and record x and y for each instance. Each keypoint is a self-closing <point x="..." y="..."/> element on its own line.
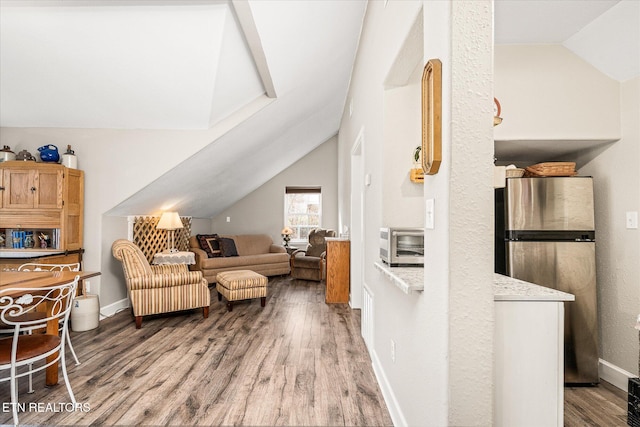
<point x="310" y="264"/>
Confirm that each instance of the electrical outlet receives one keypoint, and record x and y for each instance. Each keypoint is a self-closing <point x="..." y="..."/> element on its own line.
<point x="393" y="351"/>
<point x="228" y="219"/>
<point x="632" y="220"/>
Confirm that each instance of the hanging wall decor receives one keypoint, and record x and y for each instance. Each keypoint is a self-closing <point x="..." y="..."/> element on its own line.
<point x="432" y="116"/>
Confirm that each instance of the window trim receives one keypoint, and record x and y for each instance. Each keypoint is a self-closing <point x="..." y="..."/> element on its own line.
<point x="316" y="189"/>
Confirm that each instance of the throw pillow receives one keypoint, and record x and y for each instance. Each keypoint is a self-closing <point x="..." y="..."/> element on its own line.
<point x="214" y="246"/>
<point x="204" y="245"/>
<point x="227" y="247"/>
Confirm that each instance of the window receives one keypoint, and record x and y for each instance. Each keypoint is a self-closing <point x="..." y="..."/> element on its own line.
<point x="302" y="210"/>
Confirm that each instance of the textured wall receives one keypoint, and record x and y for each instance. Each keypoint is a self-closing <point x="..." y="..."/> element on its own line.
<point x="442" y="373"/>
<point x="471" y="215"/>
<point x="617" y="190"/>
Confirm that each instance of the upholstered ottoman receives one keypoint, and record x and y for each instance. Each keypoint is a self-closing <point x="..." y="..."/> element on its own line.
<point x="241" y="284"/>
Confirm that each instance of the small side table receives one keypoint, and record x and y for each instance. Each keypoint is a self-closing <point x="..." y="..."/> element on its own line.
<point x="290" y="249"/>
<point x="174" y="258"/>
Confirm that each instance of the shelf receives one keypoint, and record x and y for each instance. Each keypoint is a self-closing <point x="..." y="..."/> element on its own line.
<point x="27" y="239"/>
<point x="527" y="152"/>
<point x="28" y="253"/>
<point x="408" y="279"/>
<point x="417" y="176"/>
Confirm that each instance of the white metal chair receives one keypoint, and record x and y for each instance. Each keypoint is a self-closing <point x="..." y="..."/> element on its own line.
<point x="33" y="316"/>
<point x="30" y="351"/>
<point x="53" y="267"/>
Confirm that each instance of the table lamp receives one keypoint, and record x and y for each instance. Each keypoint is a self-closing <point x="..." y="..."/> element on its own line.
<point x="286" y="235"/>
<point x="170" y="221"/>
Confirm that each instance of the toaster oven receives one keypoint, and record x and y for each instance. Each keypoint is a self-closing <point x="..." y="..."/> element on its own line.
<point x="402" y="246"/>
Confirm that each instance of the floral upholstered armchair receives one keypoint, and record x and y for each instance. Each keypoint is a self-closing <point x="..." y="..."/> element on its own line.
<point x="310" y="263"/>
<point x="155" y="289"/>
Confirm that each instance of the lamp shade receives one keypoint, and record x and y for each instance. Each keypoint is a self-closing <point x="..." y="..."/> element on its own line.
<point x="169" y="221"/>
<point x="286" y="231"/>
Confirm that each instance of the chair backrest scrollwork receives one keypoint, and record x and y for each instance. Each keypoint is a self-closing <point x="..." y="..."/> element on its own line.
<point x="15" y="303"/>
<point x="32" y="266"/>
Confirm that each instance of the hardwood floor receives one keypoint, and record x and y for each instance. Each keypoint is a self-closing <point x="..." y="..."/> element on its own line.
<point x="601" y="406"/>
<point x="298" y="361"/>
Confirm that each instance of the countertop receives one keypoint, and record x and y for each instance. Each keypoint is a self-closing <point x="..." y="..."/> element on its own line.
<point x="28" y="253"/>
<point x="411" y="279"/>
<point x="408" y="279"/>
<point x="509" y="289"/>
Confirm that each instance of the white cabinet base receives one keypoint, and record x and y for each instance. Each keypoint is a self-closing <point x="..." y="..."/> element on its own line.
<point x="529" y="363"/>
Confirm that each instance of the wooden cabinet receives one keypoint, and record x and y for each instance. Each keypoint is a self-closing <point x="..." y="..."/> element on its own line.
<point x="41" y="197"/>
<point x="338" y="270"/>
<point x="28" y="188"/>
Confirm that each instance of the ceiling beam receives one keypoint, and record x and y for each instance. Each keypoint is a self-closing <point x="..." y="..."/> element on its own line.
<point x="248" y="25"/>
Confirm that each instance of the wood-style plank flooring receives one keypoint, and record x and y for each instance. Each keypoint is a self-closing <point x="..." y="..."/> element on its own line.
<point x="601" y="406"/>
<point x="296" y="362"/>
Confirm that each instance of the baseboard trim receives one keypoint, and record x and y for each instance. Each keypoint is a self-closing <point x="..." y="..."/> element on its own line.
<point x="614" y="375"/>
<point x="111" y="309"/>
<point x="387" y="392"/>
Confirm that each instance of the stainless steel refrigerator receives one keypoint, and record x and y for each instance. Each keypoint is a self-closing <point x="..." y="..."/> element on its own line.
<point x="545" y="234"/>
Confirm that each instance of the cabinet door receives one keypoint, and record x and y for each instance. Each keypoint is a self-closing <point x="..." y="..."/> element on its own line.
<point x="73" y="206"/>
<point x="48" y="185"/>
<point x="19" y="188"/>
<point x="337" y="282"/>
<point x="2" y="188"/>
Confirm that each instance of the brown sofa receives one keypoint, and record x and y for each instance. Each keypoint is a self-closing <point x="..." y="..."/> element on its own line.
<point x="256" y="252"/>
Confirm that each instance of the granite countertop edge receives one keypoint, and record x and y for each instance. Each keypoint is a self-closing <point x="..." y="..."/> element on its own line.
<point x="505" y="288"/>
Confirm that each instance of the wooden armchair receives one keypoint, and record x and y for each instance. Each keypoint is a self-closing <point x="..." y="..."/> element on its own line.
<point x="155" y="289"/>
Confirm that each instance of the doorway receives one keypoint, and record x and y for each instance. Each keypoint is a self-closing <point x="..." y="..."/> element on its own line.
<point x="357" y="221"/>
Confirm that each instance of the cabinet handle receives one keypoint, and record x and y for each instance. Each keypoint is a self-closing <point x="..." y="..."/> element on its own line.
<point x="33" y="189"/>
<point x="1" y="188"/>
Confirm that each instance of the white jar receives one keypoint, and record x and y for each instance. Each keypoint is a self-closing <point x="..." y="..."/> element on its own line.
<point x="69" y="159"/>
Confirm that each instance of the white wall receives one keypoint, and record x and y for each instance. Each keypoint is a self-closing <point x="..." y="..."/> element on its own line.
<point x="617" y="191"/>
<point x="443" y="369"/>
<point x="549" y="93"/>
<point x="402" y="133"/>
<point x="262" y="211"/>
<point x="116" y="164"/>
<point x="567" y="98"/>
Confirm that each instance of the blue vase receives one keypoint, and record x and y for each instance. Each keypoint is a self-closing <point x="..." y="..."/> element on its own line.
<point x="49" y="153"/>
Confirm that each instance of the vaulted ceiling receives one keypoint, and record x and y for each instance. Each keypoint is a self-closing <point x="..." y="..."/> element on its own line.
<point x="189" y="65"/>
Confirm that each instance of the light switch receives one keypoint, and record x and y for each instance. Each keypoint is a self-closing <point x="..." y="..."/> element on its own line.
<point x="632" y="220"/>
<point x="429" y="214"/>
<point x="228" y="219"/>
